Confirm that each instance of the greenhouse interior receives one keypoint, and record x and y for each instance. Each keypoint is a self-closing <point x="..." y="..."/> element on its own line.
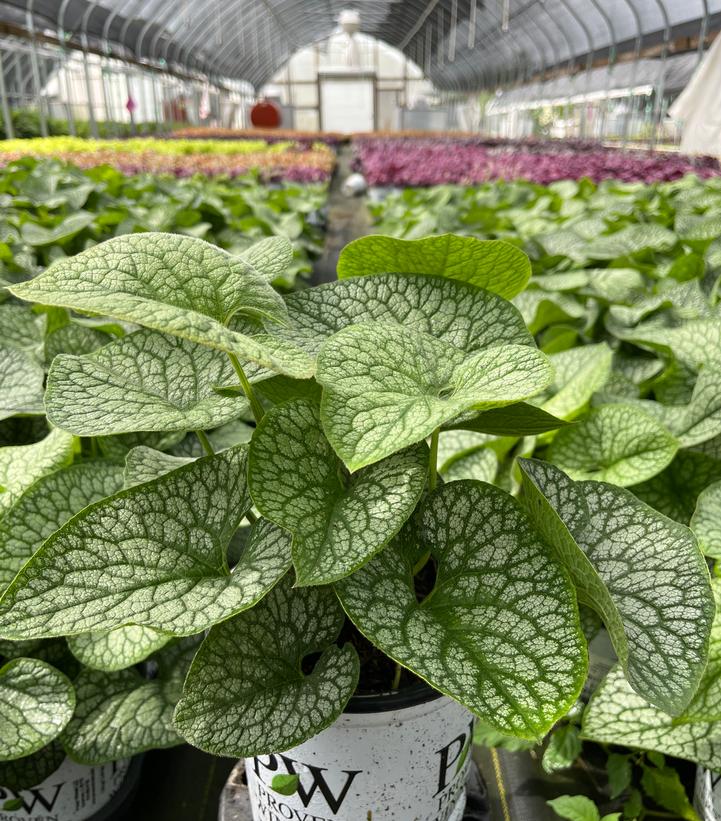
<point x="360" y="410"/>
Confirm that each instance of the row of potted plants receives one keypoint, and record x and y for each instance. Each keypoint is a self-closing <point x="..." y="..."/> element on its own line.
<point x="390" y="161"/>
<point x="52" y="210"/>
<point x="286" y="160"/>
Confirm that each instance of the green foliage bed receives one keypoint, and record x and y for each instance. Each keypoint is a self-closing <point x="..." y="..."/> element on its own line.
<point x="51" y="209"/>
<point x="624" y="299"/>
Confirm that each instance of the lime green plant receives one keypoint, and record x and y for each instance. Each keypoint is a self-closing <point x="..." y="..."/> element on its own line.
<point x="54" y="146"/>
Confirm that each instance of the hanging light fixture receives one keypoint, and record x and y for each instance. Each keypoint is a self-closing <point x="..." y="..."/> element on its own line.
<point x="350" y="22"/>
<point x="505" y="14"/>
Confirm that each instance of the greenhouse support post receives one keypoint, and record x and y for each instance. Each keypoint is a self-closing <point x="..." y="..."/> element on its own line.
<point x="63" y="70"/>
<point x="703" y="31"/>
<point x="7" y="117"/>
<point x="35" y="67"/>
<point x="630" y="108"/>
<point x="89" y="89"/>
<point x="659" y="106"/>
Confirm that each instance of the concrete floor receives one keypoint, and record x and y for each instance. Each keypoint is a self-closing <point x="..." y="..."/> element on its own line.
<point x="347" y="219"/>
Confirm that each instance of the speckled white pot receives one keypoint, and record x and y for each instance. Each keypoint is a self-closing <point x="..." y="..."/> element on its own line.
<point x="403" y="758"/>
<point x="707" y="795"/>
<point x="74" y="792"/>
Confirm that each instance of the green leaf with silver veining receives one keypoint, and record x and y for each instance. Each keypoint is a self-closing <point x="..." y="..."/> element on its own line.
<point x="700" y="420"/>
<point x="386" y="387"/>
<point x="38" y="235"/>
<point x="579" y="373"/>
<point x="540" y="309"/>
<point x="480" y="464"/>
<point x="671" y="305"/>
<point x="174" y="284"/>
<point x="620" y="444"/>
<point x="500" y="630"/>
<point x="565" y="242"/>
<point x="46" y="505"/>
<point x="641" y="572"/>
<point x="36" y="702"/>
<point x="698" y="228"/>
<point x="455" y="443"/>
<point x="117" y="649"/>
<point x="22" y="328"/>
<point x="706" y="703"/>
<point x="21" y="465"/>
<point x="269" y="257"/>
<point x="246" y="693"/>
<point x="74" y="338"/>
<point x="637" y="368"/>
<point x="693" y="344"/>
<point x="21" y="383"/>
<point x="632" y="239"/>
<point x="143" y="464"/>
<point x="464" y="316"/>
<point x="617" y="714"/>
<point x="31" y="770"/>
<point x="121" y="714"/>
<point x="154" y="554"/>
<point x="117" y="447"/>
<point x="674" y="491"/>
<point x="237" y="432"/>
<point x="338" y="522"/>
<point x="614" y="285"/>
<point x="562" y="281"/>
<point x="143" y="382"/>
<point x="494" y="265"/>
<point x="706" y="521"/>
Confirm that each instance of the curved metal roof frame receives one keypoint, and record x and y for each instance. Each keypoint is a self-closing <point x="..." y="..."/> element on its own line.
<point x="463" y="45"/>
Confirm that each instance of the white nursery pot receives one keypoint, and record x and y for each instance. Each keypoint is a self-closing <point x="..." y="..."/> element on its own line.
<point x="403" y="756"/>
<point x="707" y="795"/>
<point x="74" y="792"/>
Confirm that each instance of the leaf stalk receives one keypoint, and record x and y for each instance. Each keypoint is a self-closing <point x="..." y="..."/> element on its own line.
<point x="205" y="442"/>
<point x="255" y="405"/>
<point x="433" y="461"/>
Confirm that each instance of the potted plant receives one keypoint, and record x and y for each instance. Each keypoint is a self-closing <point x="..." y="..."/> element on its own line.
<point x="354" y="611"/>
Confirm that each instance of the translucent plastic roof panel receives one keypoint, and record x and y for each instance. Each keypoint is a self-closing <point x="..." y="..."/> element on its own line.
<point x="641" y="77"/>
<point x="461" y="44"/>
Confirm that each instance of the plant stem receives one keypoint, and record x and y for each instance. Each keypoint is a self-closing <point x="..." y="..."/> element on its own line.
<point x="251" y="517"/>
<point x="421" y="563"/>
<point x="255" y="405"/>
<point x="342" y="478"/>
<point x="433" y="461"/>
<point x="397" y="677"/>
<point x="205" y="442"/>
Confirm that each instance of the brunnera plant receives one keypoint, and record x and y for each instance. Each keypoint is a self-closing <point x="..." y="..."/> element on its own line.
<point x="247" y="488"/>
